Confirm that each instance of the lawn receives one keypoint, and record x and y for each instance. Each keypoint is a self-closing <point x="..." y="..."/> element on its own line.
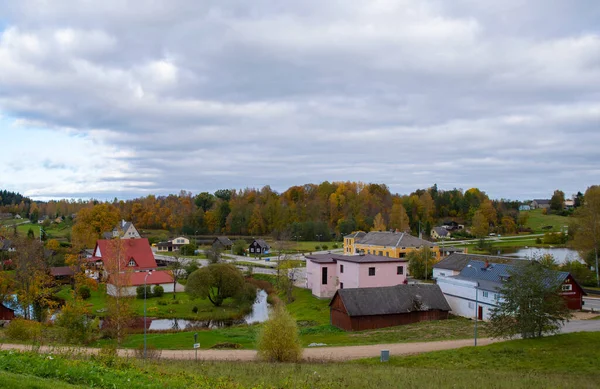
<point x="25" y="381"/>
<point x="576" y="353"/>
<point x="181" y="310"/>
<point x="537" y="220"/>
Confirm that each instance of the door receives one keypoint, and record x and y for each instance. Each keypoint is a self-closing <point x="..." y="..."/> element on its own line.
<point x="480" y="312"/>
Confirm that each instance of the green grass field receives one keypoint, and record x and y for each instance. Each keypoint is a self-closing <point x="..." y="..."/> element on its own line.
<point x="182" y="310"/>
<point x="564" y="361"/>
<point x="537" y="220"/>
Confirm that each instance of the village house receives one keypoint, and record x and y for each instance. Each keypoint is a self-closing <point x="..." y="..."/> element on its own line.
<point x="388" y="244"/>
<point x="326" y="273"/>
<point x="6" y="313"/>
<point x="172" y="244"/>
<point x="540" y="204"/>
<point x="259" y="246"/>
<point x="371" y="308"/>
<point x="440" y="233"/>
<point x="125" y="230"/>
<point x="129" y="260"/>
<point x="222" y="243"/>
<point x="476" y="289"/>
<point x="453" y="264"/>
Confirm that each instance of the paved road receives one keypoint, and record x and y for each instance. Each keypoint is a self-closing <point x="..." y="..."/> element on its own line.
<point x="591" y="303"/>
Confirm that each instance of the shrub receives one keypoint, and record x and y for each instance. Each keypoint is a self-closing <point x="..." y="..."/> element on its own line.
<point x="278" y="340"/>
<point x="139" y="291"/>
<point x="75" y="326"/>
<point x="188" y="249"/>
<point x="538" y="240"/>
<point x="195" y="309"/>
<point x="162" y="302"/>
<point x="158" y="291"/>
<point x="24" y="330"/>
<point x="226" y="345"/>
<point x="334" y="246"/>
<point x="324" y="247"/>
<point x="151" y="352"/>
<point x="84" y="292"/>
<point x="175" y="302"/>
<point x="317" y="248"/>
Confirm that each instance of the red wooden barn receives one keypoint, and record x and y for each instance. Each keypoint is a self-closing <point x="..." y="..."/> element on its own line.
<point x="571" y="291"/>
<point x="6" y="313"/>
<point x="369" y="308"/>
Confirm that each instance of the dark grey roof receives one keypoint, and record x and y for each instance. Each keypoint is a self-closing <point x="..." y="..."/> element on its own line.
<point x="457" y="261"/>
<point x="392" y="239"/>
<point x="542" y="201"/>
<point x="225" y="241"/>
<point x="441" y="231"/>
<point x="262" y="243"/>
<point x="390" y="300"/>
<point x="367" y="258"/>
<point x="357" y="234"/>
<point x="107" y="235"/>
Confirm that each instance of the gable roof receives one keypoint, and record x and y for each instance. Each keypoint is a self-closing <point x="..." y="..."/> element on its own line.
<point x="458" y="261"/>
<point x="138" y="249"/>
<point x="61" y="271"/>
<point x="392" y="239"/>
<point x="390" y="300"/>
<point x="441" y="231"/>
<point x="157" y="277"/>
<point x="261" y="243"/>
<point x="225" y="241"/>
<point x="366" y="258"/>
<point x="542" y="201"/>
<point x="357" y="234"/>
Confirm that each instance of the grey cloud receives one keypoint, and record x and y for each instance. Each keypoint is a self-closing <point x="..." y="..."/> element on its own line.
<point x="200" y="96"/>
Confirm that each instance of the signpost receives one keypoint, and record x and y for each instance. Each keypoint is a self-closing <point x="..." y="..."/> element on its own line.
<point x="196" y="345"/>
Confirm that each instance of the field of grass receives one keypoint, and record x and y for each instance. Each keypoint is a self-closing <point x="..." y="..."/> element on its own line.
<point x="182" y="310"/>
<point x="24" y="381"/>
<point x="544" y="355"/>
<point x="537" y="220"/>
<point x="565" y="361"/>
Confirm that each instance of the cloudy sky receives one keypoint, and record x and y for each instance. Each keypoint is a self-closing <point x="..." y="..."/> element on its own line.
<point x="127" y="98"/>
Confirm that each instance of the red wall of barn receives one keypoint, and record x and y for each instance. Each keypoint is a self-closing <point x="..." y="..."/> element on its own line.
<point x="574" y="297"/>
<point x="6" y="314"/>
<point x="359" y="323"/>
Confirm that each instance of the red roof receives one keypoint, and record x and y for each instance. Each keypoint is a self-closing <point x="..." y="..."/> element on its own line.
<point x="157" y="277"/>
<point x="137" y="249"/>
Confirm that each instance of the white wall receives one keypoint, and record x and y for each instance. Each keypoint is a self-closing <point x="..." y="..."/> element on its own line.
<point x="461" y="297"/>
<point x="444" y="273"/>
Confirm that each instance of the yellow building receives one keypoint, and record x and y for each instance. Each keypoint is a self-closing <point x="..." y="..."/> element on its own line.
<point x="387" y="244"/>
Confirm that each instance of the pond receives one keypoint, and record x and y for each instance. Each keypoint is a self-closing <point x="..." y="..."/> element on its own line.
<point x="561" y="255"/>
<point x="259" y="314"/>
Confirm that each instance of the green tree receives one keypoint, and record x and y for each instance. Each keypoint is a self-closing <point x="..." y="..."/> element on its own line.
<point x="75" y="324"/>
<point x="278" y="340"/>
<point x="213" y="254"/>
<point x="530" y="305"/>
<point x="204" y="201"/>
<point x="239" y="247"/>
<point x="587" y="227"/>
<point x="215" y="282"/>
<point x="420" y="263"/>
<point x="557" y="201"/>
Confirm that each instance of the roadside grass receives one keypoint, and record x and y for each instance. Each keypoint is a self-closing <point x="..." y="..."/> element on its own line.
<point x="308" y="308"/>
<point x="537" y="220"/>
<point x="26" y="381"/>
<point x="180" y="310"/>
<point x="576" y="353"/>
<point x="110" y="372"/>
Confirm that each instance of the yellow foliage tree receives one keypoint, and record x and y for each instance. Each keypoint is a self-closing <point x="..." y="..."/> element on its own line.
<point x="378" y="223"/>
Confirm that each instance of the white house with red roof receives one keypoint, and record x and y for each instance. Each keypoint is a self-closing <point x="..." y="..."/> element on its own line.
<point x="128" y="261"/>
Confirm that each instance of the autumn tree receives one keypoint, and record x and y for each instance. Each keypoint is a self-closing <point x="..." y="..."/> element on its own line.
<point x="215" y="282"/>
<point x="587" y="227"/>
<point x="420" y="263"/>
<point x="398" y="218"/>
<point x="557" y="201"/>
<point x="480" y="225"/>
<point x="279" y="340"/>
<point x="92" y="222"/>
<point x="378" y="223"/>
<point x="508" y="225"/>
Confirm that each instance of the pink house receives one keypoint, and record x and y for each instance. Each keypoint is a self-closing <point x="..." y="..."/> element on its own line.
<point x="326" y="273"/>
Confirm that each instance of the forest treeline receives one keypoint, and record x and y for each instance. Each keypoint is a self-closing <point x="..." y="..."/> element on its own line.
<point x="306" y="212"/>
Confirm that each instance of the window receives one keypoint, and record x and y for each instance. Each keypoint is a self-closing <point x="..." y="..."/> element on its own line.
<point x="251" y="249"/>
<point x="341" y="268"/>
<point x="341" y="285"/>
<point x="324" y="276"/>
<point x="131" y="262"/>
<point x="496" y="297"/>
<point x="381" y="253"/>
<point x="400" y="270"/>
<point x="369" y="251"/>
<point x="371" y="271"/>
<point x="567" y="287"/>
<point x="387" y="254"/>
<point x="485" y="294"/>
<point x="402" y="255"/>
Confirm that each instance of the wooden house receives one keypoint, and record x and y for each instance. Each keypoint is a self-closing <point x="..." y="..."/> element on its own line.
<point x="370" y="308"/>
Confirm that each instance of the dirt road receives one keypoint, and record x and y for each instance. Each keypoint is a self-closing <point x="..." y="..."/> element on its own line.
<point x="311" y="354"/>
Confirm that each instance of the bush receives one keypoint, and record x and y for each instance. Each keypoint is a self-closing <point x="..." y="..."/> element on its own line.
<point x="278" y="340"/>
<point x="239" y="247"/>
<point x="334" y="246"/>
<point x="158" y="291"/>
<point x="139" y="291"/>
<point x="195" y="309"/>
<point x="24" y="330"/>
<point x="84" y="292"/>
<point x="188" y="249"/>
<point x="151" y="352"/>
<point x="538" y="240"/>
<point x="317" y="248"/>
<point x="225" y="346"/>
<point x="162" y="302"/>
<point x="324" y="247"/>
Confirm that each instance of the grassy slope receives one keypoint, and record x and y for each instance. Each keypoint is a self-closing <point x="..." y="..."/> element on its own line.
<point x="537" y="220"/>
<point x="567" y="353"/>
<point x="10" y="380"/>
<point x="566" y="361"/>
